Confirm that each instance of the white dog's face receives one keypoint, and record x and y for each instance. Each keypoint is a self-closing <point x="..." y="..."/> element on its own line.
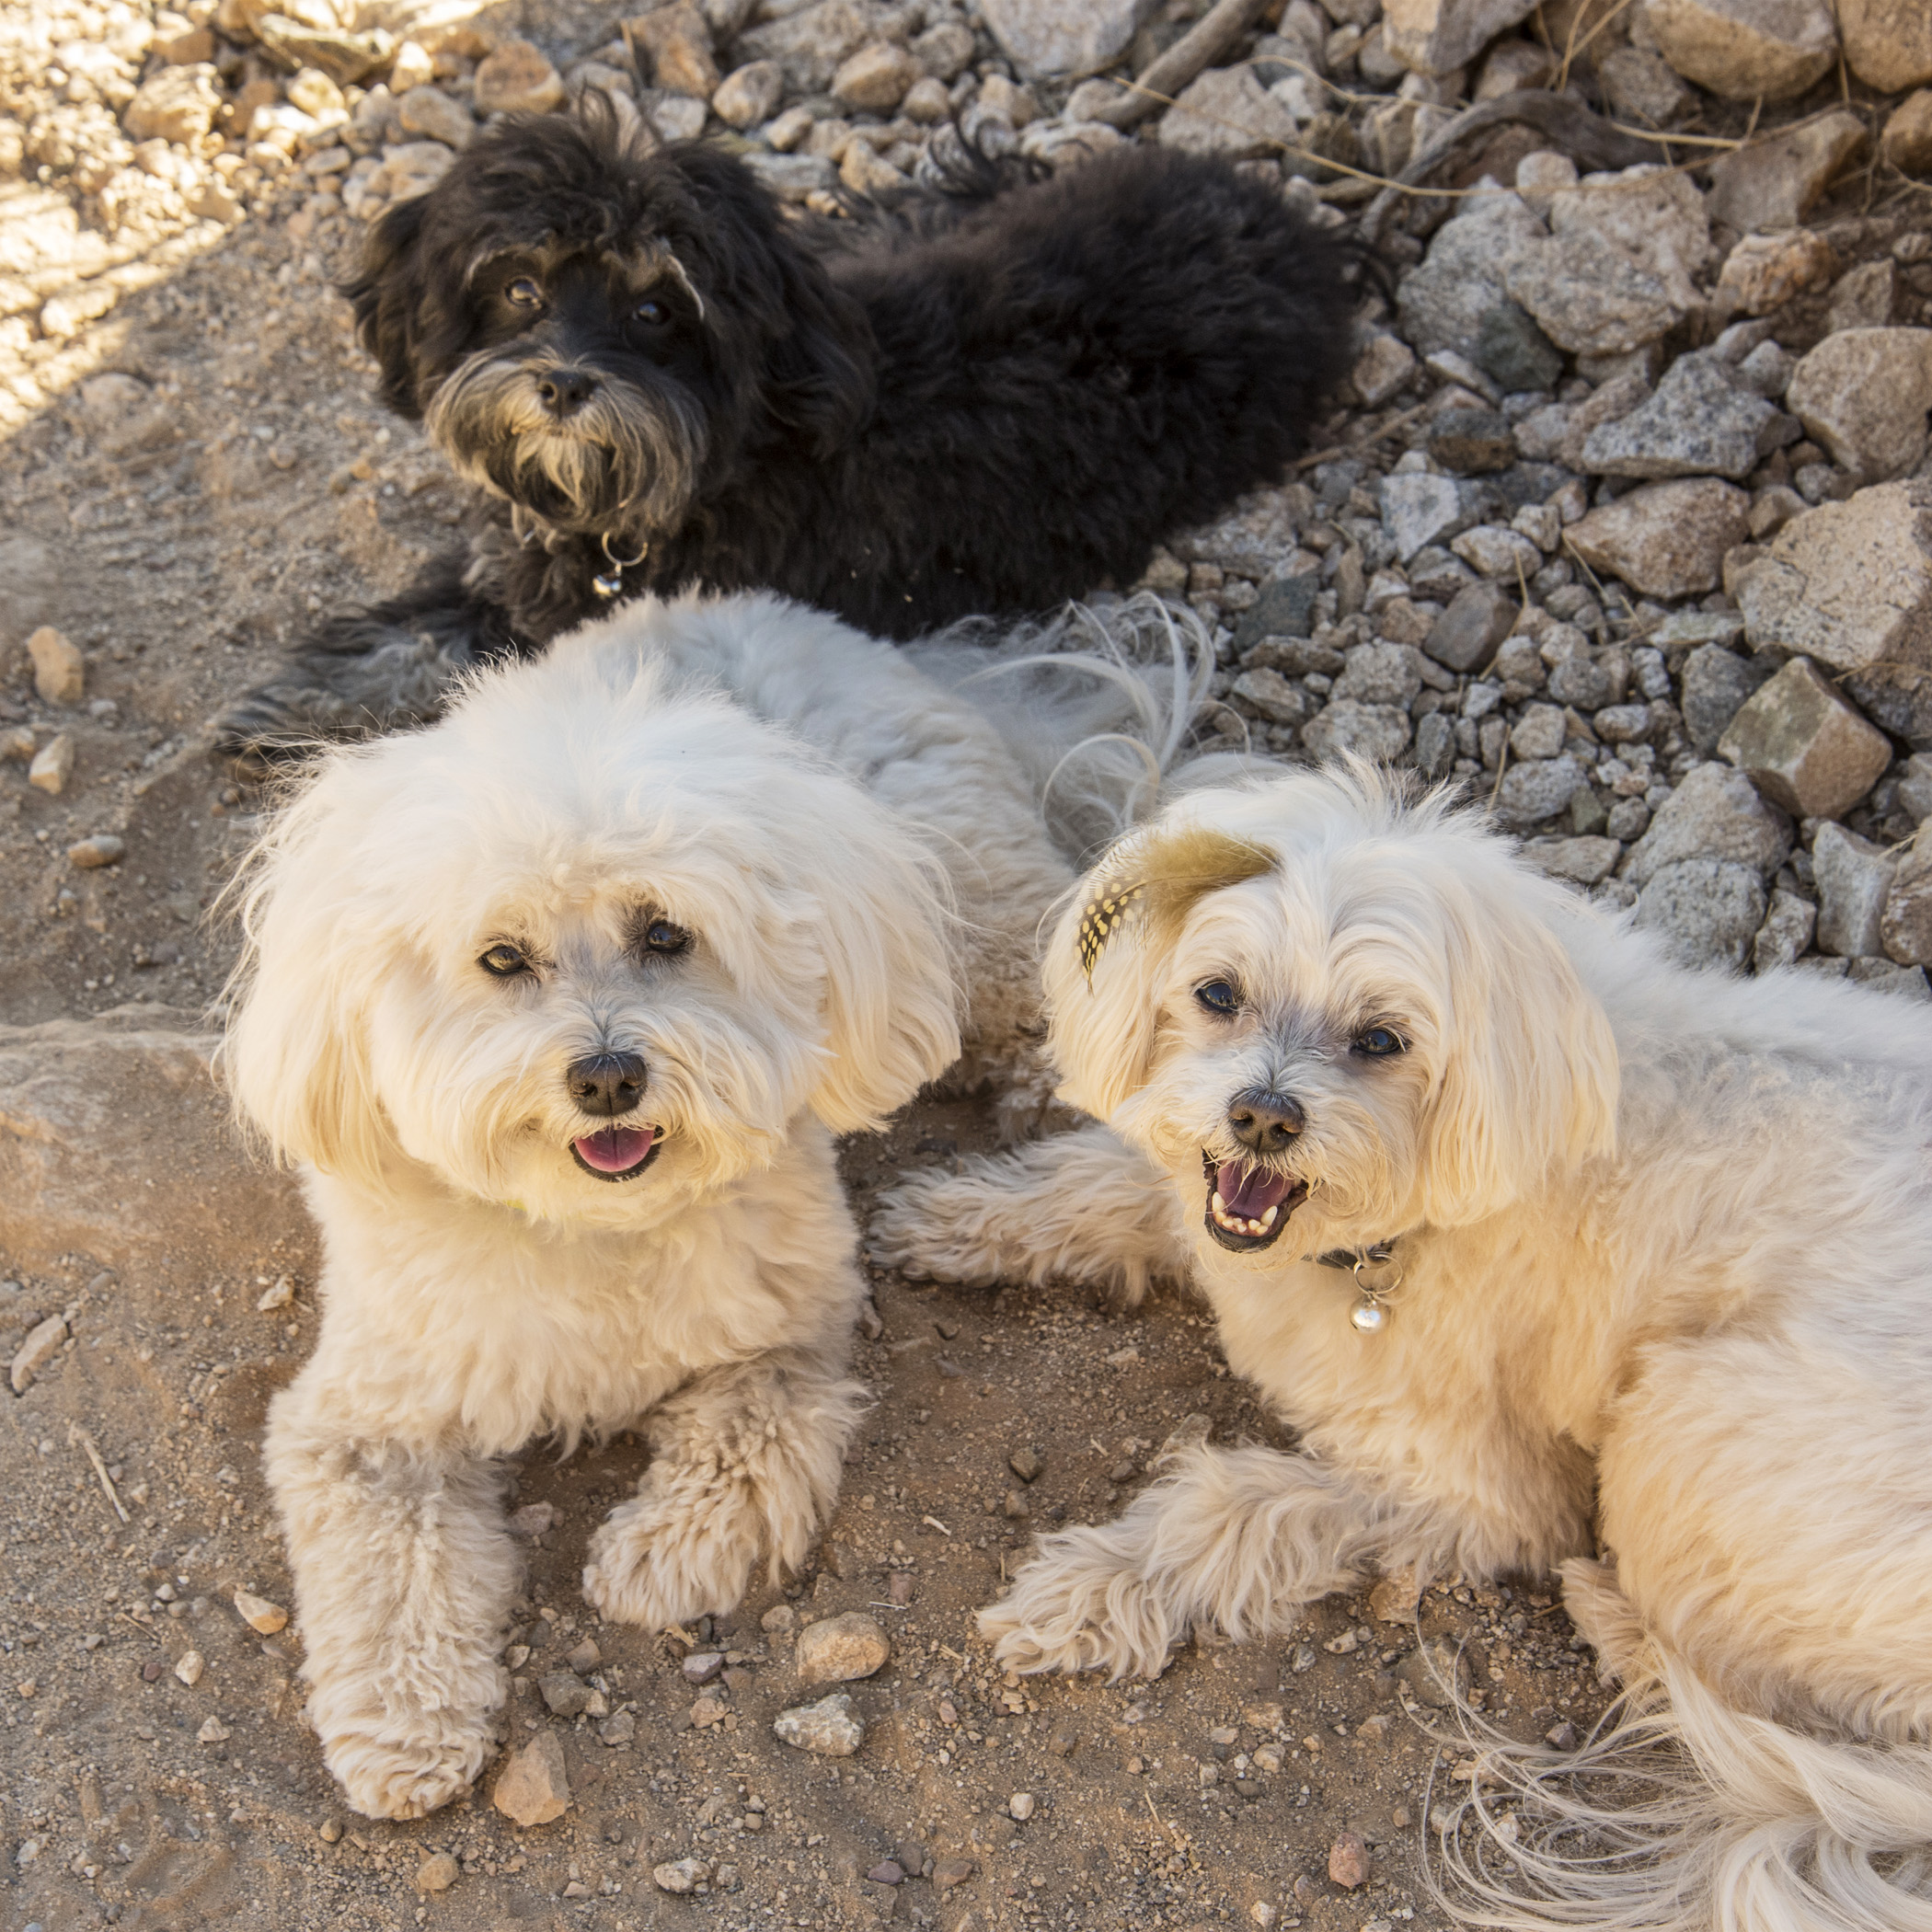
<point x="1336" y="1017"/>
<point x="589" y="946"/>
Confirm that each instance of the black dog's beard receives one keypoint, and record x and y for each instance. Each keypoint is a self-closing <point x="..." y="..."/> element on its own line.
<point x="624" y="460"/>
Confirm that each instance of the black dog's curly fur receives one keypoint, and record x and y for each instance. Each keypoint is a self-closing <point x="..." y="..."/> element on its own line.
<point x="974" y="404"/>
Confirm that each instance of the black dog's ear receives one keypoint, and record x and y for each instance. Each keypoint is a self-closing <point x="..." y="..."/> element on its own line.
<point x="821" y="368"/>
<point x="387" y="295"/>
<point x="812" y="337"/>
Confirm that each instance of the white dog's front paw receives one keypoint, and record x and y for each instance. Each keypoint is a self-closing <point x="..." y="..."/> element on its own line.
<point x="657" y="1562"/>
<point x="942" y="1226"/>
<point x="1078" y="1606"/>
<point x="384" y="1776"/>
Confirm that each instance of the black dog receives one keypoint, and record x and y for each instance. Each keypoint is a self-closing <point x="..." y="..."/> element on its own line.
<point x="976" y="405"/>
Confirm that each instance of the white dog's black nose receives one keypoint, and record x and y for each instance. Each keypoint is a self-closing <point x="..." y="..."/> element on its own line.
<point x="1265" y="1123"/>
<point x="606" y="1083"/>
<point x="565" y="391"/>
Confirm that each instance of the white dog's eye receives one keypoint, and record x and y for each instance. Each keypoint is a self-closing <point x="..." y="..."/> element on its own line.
<point x="524" y="291"/>
<point x="1218" y="996"/>
<point x="504" y="960"/>
<point x="662" y="936"/>
<point x="1380" y="1041"/>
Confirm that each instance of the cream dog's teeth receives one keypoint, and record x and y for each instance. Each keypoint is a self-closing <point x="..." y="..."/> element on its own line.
<point x="1220" y="1205"/>
<point x="1268" y="1219"/>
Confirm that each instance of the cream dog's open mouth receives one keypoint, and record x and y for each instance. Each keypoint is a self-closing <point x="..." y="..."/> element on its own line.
<point x="617" y="1153"/>
<point x="1248" y="1207"/>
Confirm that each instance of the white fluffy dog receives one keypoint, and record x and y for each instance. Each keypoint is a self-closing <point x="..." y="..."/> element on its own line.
<point x="1550" y="1250"/>
<point x="558" y="1006"/>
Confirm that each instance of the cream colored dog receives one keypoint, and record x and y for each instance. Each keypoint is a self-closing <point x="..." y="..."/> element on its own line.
<point x="1547" y="1247"/>
<point x="558" y="1004"/>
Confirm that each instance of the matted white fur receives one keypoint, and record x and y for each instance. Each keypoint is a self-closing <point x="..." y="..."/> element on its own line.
<point x="856" y="862"/>
<point x="1661" y="1245"/>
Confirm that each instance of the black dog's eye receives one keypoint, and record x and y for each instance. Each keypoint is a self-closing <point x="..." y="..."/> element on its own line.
<point x="651" y="311"/>
<point x="1218" y="996"/>
<point x="662" y="936"/>
<point x="524" y="291"/>
<point x="505" y="960"/>
<point x="1378" y="1043"/>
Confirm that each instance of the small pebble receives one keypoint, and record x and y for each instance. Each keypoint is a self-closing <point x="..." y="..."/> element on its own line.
<point x="1020" y="1807"/>
<point x="1026" y="1464"/>
<point x="213" y="1731"/>
<point x="701" y="1666"/>
<point x="260" y="1613"/>
<point x="888" y="1871"/>
<point x="1349" y="1860"/>
<point x="683" y="1877"/>
<point x="436" y="1873"/>
<point x="828" y="1728"/>
<point x="189" y="1670"/>
<point x="102" y="848"/>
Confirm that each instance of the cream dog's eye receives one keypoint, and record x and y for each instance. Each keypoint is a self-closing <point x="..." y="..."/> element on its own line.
<point x="1218" y="996"/>
<point x="504" y="960"/>
<point x="1380" y="1041"/>
<point x="662" y="936"/>
<point x="649" y="312"/>
<point x="526" y="292"/>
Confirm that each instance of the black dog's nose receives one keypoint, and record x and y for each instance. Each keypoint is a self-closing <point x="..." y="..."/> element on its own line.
<point x="606" y="1083"/>
<point x="565" y="391"/>
<point x="1265" y="1123"/>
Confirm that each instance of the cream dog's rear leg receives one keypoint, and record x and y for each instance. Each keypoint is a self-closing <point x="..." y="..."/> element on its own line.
<point x="744" y="1460"/>
<point x="1081" y="1207"/>
<point x="1240" y="1539"/>
<point x="404" y="1576"/>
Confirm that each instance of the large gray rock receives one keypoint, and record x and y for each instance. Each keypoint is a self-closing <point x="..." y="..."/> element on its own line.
<point x="1652" y="215"/>
<point x="810" y="46"/>
<point x="1590" y="299"/>
<point x="1227" y="112"/>
<point x="1438" y="36"/>
<point x="1699" y="423"/>
<point x="1848" y="584"/>
<point x="1478" y="619"/>
<point x="1744" y="49"/>
<point x="1666" y="539"/>
<point x="1534" y="792"/>
<point x="1775" y="181"/>
<point x="1864" y="392"/>
<point x="828" y="1728"/>
<point x="1716" y="813"/>
<point x="1419" y="510"/>
<point x="1375" y="732"/>
<point x="1789" y="926"/>
<point x="1804" y="747"/>
<point x="1054" y="37"/>
<point x="1854" y="878"/>
<point x="1441" y="304"/>
<point x="115" y="1144"/>
<point x="1707" y="911"/>
<point x="1716" y="681"/>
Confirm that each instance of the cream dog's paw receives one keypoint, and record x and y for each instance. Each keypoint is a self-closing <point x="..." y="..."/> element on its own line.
<point x="1076" y="1606"/>
<point x="657" y="1562"/>
<point x="942" y="1226"/>
<point x="387" y="1776"/>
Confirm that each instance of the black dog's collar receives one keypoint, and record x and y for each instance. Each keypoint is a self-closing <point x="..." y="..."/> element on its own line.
<point x="1372" y="1256"/>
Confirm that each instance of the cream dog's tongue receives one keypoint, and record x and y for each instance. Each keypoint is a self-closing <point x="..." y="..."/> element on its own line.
<point x="613" y="1149"/>
<point x="1251" y="1192"/>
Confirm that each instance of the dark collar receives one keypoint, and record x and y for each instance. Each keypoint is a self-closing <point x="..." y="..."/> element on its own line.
<point x="1372" y="1256"/>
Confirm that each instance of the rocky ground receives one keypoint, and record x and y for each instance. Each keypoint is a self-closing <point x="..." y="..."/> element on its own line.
<point x="1626" y="522"/>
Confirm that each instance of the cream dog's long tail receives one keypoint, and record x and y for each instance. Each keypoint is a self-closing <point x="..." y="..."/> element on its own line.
<point x="1098" y="704"/>
<point x="1684" y="1814"/>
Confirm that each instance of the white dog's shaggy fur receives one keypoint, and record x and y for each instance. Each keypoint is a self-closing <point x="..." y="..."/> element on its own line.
<point x="1659" y="1286"/>
<point x="558" y="1004"/>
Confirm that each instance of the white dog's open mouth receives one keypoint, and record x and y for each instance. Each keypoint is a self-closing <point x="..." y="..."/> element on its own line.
<point x="1248" y="1207"/>
<point x="617" y="1153"/>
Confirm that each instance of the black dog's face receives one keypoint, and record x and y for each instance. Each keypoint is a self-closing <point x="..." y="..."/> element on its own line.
<point x="589" y="396"/>
<point x="596" y="334"/>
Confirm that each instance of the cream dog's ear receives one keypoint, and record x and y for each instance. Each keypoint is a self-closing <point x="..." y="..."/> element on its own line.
<point x="296" y="1059"/>
<point x="1530" y="1077"/>
<point x="892" y="995"/>
<point x="1110" y="953"/>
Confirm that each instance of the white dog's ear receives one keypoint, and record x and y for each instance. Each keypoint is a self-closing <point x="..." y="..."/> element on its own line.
<point x="1529" y="1077"/>
<point x="296" y="1057"/>
<point x="1110" y="954"/>
<point x="892" y="994"/>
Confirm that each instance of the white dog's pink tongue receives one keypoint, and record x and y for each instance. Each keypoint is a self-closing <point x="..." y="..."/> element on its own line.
<point x="610" y="1150"/>
<point x="1251" y="1192"/>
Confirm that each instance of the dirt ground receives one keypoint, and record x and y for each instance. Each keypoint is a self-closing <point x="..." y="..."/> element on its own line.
<point x="181" y="484"/>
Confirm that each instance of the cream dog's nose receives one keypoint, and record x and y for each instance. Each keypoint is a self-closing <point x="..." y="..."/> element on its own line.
<point x="1263" y="1123"/>
<point x="606" y="1083"/>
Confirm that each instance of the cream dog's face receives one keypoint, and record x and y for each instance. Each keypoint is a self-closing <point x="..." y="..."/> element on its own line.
<point x="1335" y="1015"/>
<point x="590" y="945"/>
